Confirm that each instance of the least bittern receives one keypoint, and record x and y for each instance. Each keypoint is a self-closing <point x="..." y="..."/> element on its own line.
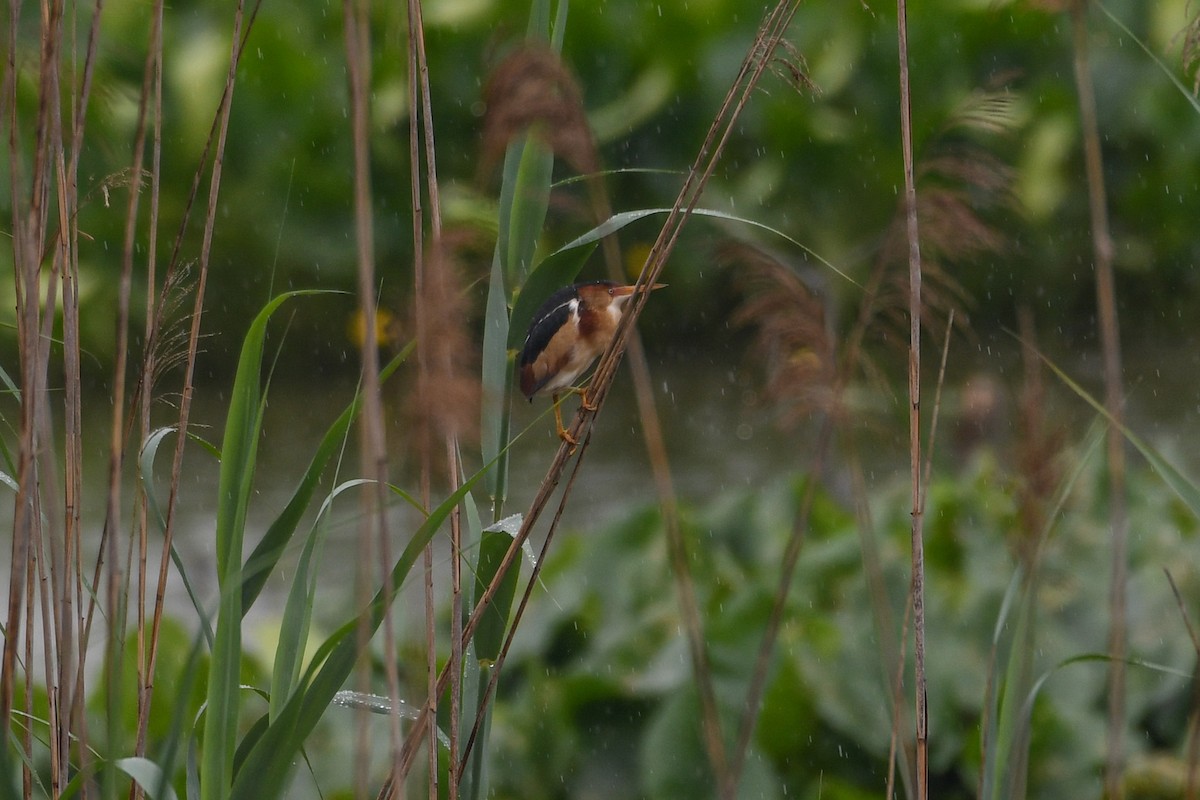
<point x="568" y="332"/>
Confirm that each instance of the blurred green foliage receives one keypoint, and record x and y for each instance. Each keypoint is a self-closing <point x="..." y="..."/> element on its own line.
<point x="599" y="698"/>
<point x="823" y="168"/>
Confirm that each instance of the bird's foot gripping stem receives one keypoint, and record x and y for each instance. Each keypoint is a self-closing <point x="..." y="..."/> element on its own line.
<point x="563" y="433"/>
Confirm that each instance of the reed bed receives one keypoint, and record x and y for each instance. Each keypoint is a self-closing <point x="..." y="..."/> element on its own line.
<point x="102" y="693"/>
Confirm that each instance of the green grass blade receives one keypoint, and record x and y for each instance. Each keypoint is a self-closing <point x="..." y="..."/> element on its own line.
<point x="297" y="612"/>
<point x="239" y="452"/>
<point x="489" y="635"/>
<point x="539" y="19"/>
<point x="1007" y="732"/>
<point x="264" y="772"/>
<point x="524" y="199"/>
<point x="1179" y="483"/>
<point x="147" y="775"/>
<point x="485" y="646"/>
<point x="266" y="554"/>
<point x="560" y="26"/>
<point x="497" y="383"/>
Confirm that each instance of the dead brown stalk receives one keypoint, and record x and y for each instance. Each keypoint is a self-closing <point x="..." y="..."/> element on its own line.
<point x="768" y="37"/>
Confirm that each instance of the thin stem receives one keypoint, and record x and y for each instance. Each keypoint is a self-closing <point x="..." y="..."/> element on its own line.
<point x="1114" y="403"/>
<point x="152" y="88"/>
<point x="373" y="445"/>
<point x="914" y="408"/>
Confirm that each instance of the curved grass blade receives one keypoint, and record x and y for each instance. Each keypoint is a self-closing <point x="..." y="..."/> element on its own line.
<point x="497" y="387"/>
<point x="266" y="554"/>
<point x="559" y="264"/>
<point x="1179" y="483"/>
<point x="239" y="452"/>
<point x="146" y="473"/>
<point x="264" y="772"/>
<point x="147" y="775"/>
<point x="297" y="611"/>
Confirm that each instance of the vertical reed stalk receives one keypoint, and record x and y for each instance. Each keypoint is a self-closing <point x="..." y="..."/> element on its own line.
<point x="914" y="408"/>
<point x="215" y="147"/>
<point x="151" y="93"/>
<point x="421" y="106"/>
<point x="1114" y="404"/>
<point x="424" y="433"/>
<point x="117" y="433"/>
<point x="372" y="441"/>
<point x="43" y="541"/>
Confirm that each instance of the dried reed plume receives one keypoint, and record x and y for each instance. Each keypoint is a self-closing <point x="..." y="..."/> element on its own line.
<point x="1039" y="447"/>
<point x="532" y="90"/>
<point x="792" y="337"/>
<point x="793" y="68"/>
<point x="448" y="398"/>
<point x="168" y="337"/>
<point x="962" y="188"/>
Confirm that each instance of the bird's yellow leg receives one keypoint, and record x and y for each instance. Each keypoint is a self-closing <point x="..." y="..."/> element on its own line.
<point x="558" y="423"/>
<point x="585" y="399"/>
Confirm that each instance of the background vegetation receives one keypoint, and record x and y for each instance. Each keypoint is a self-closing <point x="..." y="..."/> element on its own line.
<point x="646" y="641"/>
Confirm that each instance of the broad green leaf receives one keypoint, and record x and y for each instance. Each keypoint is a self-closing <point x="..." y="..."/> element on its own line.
<point x="489" y="634"/>
<point x="147" y="775"/>
<point x="497" y="388"/>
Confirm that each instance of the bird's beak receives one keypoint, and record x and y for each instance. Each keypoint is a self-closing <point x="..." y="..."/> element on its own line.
<point x="626" y="291"/>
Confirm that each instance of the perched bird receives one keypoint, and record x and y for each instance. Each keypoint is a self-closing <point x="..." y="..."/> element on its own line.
<point x="568" y="332"/>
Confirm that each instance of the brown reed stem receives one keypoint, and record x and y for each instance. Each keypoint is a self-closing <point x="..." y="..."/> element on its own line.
<point x="914" y="409"/>
<point x="1114" y="404"/>
<point x="372" y="440"/>
<point x="739" y="93"/>
<point x="151" y="92"/>
<point x="214" y="146"/>
<point x="419" y="89"/>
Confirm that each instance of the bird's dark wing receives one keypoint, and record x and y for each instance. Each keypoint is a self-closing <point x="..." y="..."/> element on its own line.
<point x="552" y="315"/>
